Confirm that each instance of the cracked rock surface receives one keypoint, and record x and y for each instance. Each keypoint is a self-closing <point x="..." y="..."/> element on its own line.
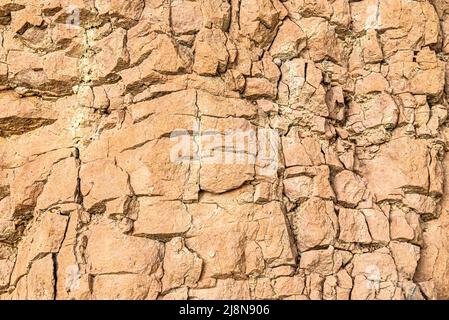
<point x="224" y="149"/>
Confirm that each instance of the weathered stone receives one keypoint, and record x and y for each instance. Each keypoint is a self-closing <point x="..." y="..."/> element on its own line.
<point x="186" y="16"/>
<point x="224" y="149"/>
<point x="259" y="88"/>
<point x="372" y="52"/>
<point x="44" y="238"/>
<point x="61" y="185"/>
<point x="289" y="286"/>
<point x="216" y="13"/>
<point x="218" y="177"/>
<point x="300" y="86"/>
<point x="161" y="218"/>
<point x="317" y="215"/>
<point x="289" y="42"/>
<point x="378" y="225"/>
<point x="125" y="287"/>
<point x="225" y="289"/>
<point x="125" y="13"/>
<point x="353" y="226"/>
<point x="322" y="41"/>
<point x="381" y="110"/>
<point x="182" y="267"/>
<point x="410" y="169"/>
<point x="259" y="19"/>
<point x="318" y="261"/>
<point x="6" y="265"/>
<point x="23" y="115"/>
<point x="304" y="182"/>
<point x="404" y="225"/>
<point x="375" y="276"/>
<point x="110" y="251"/>
<point x="99" y="189"/>
<point x="406" y="258"/>
<point x="211" y="54"/>
<point x="40" y="281"/>
<point x="301" y="152"/>
<point x="112" y="49"/>
<point x="349" y="188"/>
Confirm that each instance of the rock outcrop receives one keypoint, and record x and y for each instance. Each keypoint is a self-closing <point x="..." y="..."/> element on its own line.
<point x="224" y="149"/>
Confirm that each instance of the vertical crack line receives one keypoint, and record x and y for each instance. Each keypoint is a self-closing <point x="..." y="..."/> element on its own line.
<point x="54" y="257"/>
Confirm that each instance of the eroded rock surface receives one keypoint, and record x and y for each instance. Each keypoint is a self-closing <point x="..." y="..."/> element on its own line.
<point x="224" y="149"/>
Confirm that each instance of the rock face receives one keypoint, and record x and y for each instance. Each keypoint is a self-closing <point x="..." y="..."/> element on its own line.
<point x="224" y="149"/>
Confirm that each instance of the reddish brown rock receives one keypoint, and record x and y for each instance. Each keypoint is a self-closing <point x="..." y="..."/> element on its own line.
<point x="375" y="276"/>
<point x="110" y="251"/>
<point x="289" y="41"/>
<point x="161" y="218"/>
<point x="125" y="287"/>
<point x="353" y="226"/>
<point x="317" y="215"/>
<point x="224" y="149"/>
<point x="183" y="267"/>
<point x="349" y="188"/>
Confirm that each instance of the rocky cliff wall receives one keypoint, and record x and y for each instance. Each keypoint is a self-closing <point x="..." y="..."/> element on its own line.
<point x="224" y="149"/>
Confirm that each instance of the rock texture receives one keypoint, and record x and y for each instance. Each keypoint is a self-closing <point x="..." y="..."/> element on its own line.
<point x="224" y="149"/>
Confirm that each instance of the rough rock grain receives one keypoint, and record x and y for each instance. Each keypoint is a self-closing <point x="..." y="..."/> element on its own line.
<point x="224" y="149"/>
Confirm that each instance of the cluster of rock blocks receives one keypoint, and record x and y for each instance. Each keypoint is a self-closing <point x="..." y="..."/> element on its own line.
<point x="224" y="149"/>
